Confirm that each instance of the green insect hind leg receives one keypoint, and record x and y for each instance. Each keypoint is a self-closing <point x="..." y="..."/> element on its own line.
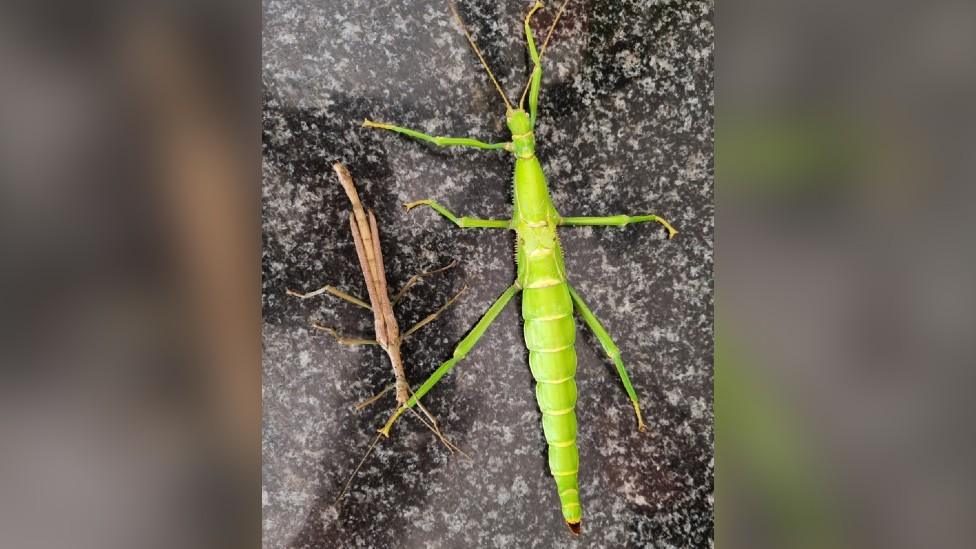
<point x="612" y="351"/>
<point x="460" y="352"/>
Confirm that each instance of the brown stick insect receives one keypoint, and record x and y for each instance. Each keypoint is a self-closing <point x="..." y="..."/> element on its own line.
<point x="365" y="233"/>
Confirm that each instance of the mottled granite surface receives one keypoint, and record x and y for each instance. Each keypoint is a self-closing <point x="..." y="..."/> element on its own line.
<point x="625" y="127"/>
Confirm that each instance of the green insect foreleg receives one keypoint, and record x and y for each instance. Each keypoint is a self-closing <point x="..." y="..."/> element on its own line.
<point x="618" y="220"/>
<point x="536" y="79"/>
<point x="533" y="86"/>
<point x="611" y="349"/>
<point x="436" y="139"/>
<point x="464" y="222"/>
<point x="460" y="352"/>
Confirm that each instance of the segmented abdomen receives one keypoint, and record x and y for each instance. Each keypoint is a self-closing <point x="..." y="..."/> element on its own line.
<point x="549" y="335"/>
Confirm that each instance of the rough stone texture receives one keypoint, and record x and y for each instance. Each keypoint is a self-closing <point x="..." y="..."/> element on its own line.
<point x="625" y="127"/>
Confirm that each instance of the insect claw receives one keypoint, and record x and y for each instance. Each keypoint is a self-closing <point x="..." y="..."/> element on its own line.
<point x="411" y="205"/>
<point x="385" y="431"/>
<point x="671" y="230"/>
<point x="641" y="426"/>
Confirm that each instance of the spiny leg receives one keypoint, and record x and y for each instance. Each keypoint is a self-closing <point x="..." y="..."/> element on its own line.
<point x="618" y="220"/>
<point x="611" y="349"/>
<point x="464" y="222"/>
<point x="342" y="340"/>
<point x="433" y="316"/>
<point x="332" y="290"/>
<point x="460" y="352"/>
<point x="418" y="277"/>
<point x="436" y="139"/>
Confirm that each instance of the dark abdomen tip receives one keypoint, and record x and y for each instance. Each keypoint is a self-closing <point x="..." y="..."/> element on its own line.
<point x="575" y="527"/>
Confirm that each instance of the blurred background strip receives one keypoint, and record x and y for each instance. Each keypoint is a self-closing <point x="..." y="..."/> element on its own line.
<point x="129" y="261"/>
<point x="845" y="274"/>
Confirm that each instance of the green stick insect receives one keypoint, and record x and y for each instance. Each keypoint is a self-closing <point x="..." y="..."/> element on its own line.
<point x="548" y="300"/>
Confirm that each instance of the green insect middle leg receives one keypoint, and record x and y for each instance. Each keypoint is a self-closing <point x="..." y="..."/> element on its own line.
<point x="463" y="221"/>
<point x="618" y="220"/>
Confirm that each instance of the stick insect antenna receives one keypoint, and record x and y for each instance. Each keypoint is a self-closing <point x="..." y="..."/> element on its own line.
<point x="543" y="50"/>
<point x="478" y="53"/>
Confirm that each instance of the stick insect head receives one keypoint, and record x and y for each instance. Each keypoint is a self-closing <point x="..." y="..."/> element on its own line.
<point x="523" y="138"/>
<point x="518" y="122"/>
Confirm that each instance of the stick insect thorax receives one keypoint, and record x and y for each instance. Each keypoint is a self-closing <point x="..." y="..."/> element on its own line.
<point x="531" y="191"/>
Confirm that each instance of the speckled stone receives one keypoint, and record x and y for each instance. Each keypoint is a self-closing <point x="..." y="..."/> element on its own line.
<point x="625" y="127"/>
